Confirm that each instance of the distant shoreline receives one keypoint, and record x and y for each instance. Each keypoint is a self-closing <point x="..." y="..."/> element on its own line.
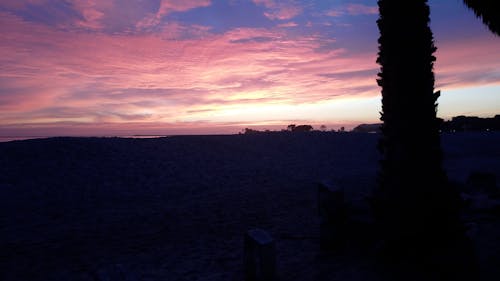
<point x="21" y="138"/>
<point x="14" y="138"/>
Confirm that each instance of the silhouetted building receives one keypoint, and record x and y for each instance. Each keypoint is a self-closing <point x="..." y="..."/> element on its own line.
<point x="471" y="123"/>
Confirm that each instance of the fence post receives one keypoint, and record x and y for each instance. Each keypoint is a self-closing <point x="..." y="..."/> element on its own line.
<point x="259" y="256"/>
<point x="333" y="217"/>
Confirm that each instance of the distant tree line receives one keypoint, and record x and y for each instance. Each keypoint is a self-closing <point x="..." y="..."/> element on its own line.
<point x="367" y="128"/>
<point x="291" y="128"/>
<point x="299" y="128"/>
<point x="456" y="124"/>
<point x="459" y="123"/>
<point x="471" y="123"/>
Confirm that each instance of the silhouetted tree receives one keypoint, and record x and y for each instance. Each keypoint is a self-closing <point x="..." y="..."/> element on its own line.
<point x="488" y="11"/>
<point x="299" y="128"/>
<point x="302" y="128"/>
<point x="248" y="131"/>
<point x="367" y="128"/>
<point x="471" y="123"/>
<point x="415" y="207"/>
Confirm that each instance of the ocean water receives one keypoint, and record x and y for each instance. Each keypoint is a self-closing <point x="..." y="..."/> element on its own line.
<point x="6" y="139"/>
<point x="17" y="138"/>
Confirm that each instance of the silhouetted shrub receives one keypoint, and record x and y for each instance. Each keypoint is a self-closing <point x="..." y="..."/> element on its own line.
<point x="302" y="128"/>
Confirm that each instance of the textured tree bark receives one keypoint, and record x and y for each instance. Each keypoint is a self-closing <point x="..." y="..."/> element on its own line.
<point x="415" y="207"/>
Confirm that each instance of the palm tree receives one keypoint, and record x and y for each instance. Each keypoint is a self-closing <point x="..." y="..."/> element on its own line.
<point x="415" y="207"/>
<point x="414" y="204"/>
<point x="488" y="11"/>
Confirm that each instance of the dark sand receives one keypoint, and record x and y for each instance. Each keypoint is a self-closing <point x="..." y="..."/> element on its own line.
<point x="176" y="208"/>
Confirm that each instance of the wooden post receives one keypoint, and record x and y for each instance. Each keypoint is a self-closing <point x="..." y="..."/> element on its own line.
<point x="259" y="256"/>
<point x="333" y="217"/>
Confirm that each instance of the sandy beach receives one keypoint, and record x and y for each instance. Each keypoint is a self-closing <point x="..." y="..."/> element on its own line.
<point x="176" y="208"/>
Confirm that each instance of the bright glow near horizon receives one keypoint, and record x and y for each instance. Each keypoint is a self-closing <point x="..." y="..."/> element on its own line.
<point x="452" y="100"/>
<point x="200" y="66"/>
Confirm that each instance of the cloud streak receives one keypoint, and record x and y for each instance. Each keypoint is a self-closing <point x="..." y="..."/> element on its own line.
<point x="276" y="10"/>
<point x="466" y="63"/>
<point x="170" y="6"/>
<point x="353" y="10"/>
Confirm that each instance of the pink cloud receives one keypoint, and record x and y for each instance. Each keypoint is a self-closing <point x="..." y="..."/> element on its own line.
<point x="334" y="13"/>
<point x="114" y="15"/>
<point x="360" y="9"/>
<point x="288" y="24"/>
<point x="90" y="12"/>
<point x="353" y="9"/>
<point x="279" y="10"/>
<point x="283" y="13"/>
<point x="467" y="62"/>
<point x="170" y="6"/>
<point x="153" y="78"/>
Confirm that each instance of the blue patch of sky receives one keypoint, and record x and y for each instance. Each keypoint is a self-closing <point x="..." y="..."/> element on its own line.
<point x="354" y="33"/>
<point x="124" y="19"/>
<point x="452" y="20"/>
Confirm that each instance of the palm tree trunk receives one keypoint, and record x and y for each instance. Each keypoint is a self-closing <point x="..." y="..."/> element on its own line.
<point x="414" y="205"/>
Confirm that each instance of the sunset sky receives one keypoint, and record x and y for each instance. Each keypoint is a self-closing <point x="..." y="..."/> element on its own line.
<point x="121" y="67"/>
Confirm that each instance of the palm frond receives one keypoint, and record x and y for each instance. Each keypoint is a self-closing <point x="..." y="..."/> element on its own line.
<point x="488" y="11"/>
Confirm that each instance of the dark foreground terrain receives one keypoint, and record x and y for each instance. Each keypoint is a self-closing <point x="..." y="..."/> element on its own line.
<point x="176" y="208"/>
